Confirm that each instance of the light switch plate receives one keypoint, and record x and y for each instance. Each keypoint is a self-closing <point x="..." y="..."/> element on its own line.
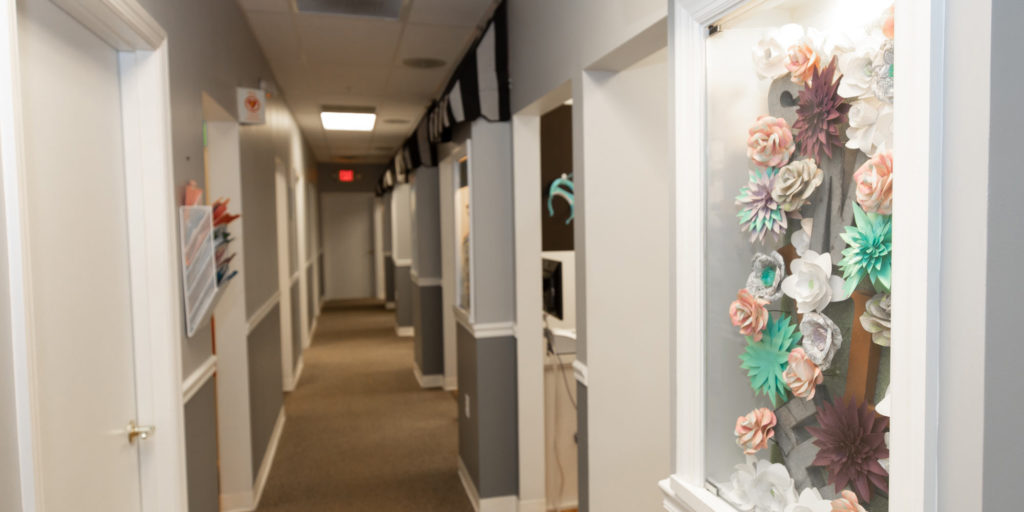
<point x="467" y="405"/>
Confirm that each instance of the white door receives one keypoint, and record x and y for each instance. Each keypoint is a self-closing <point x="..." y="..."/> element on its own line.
<point x="79" y="260"/>
<point x="347" y="221"/>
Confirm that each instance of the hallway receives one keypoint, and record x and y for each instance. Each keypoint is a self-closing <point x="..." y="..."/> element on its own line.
<point x="361" y="435"/>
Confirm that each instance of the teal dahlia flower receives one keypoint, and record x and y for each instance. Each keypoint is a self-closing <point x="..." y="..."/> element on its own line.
<point x="869" y="251"/>
<point x="766" y="360"/>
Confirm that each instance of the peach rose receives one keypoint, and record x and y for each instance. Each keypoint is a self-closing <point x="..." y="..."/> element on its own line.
<point x="847" y="503"/>
<point x="749" y="314"/>
<point x="801" y="61"/>
<point x="755" y="429"/>
<point x="874" y="184"/>
<point x="889" y="23"/>
<point x="770" y="143"/>
<point x="802" y="375"/>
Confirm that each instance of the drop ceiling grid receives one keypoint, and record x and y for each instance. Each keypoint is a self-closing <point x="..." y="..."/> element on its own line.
<point x="321" y="59"/>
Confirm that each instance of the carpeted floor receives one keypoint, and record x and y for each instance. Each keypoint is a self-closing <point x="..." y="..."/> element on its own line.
<point x="361" y="435"/>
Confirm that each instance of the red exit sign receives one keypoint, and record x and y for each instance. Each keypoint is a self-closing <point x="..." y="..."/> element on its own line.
<point x="346" y="175"/>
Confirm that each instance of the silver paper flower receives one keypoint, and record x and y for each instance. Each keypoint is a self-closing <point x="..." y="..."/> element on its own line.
<point x="877" y="318"/>
<point x="766" y="275"/>
<point x="821" y="339"/>
<point x="883" y="86"/>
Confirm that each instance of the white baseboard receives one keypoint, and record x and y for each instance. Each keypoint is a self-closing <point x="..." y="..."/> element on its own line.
<point x="533" y="506"/>
<point x="390" y="306"/>
<point x="451" y="383"/>
<point x="407" y="331"/>
<point x="427" y="381"/>
<point x="248" y="501"/>
<point x="496" y="504"/>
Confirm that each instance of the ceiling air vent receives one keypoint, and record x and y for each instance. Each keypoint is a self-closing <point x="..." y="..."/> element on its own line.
<point x="389" y="9"/>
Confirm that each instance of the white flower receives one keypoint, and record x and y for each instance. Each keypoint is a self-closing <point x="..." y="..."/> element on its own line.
<point x="811" y="283"/>
<point x="810" y="501"/>
<point x="884" y="406"/>
<point x="760" y="486"/>
<point x="770" y="53"/>
<point x="870" y="127"/>
<point x="801" y="239"/>
<point x="858" y="68"/>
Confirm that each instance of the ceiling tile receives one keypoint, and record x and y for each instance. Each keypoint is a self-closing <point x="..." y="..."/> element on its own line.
<point x="438" y="42"/>
<point x="344" y="40"/>
<point x="465" y="13"/>
<point x="266" y="5"/>
<point x="419" y="84"/>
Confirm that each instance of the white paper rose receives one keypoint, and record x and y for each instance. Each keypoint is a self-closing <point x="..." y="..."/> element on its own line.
<point x="877" y="318"/>
<point x="858" y="68"/>
<point x="810" y="501"/>
<point x="801" y="239"/>
<point x="870" y="127"/>
<point x="811" y="283"/>
<point x="770" y="53"/>
<point x="760" y="486"/>
<point x="821" y="339"/>
<point x="795" y="183"/>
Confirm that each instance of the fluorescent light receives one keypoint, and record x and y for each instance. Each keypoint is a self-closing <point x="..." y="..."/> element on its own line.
<point x="348" y="121"/>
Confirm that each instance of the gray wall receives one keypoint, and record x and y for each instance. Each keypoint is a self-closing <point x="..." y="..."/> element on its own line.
<point x="488" y="438"/>
<point x="403" y="296"/>
<point x="492" y="222"/>
<point x="297" y="320"/>
<point x="428" y="346"/>
<point x="265" y="394"/>
<point x="201" y="450"/>
<point x="312" y="306"/>
<point x="389" y="279"/>
<point x="1003" y="350"/>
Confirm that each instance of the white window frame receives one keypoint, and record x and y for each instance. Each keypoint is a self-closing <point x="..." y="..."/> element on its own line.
<point x="916" y="241"/>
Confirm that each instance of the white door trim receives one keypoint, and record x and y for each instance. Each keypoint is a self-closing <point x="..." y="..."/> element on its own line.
<point x="156" y="309"/>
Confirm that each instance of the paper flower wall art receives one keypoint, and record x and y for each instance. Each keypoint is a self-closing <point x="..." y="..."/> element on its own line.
<point x="770" y="142"/>
<point x="810" y="500"/>
<point x="770" y="54"/>
<point x="821" y="339"/>
<point x="858" y="67"/>
<point x="874" y="184"/>
<point x="760" y="486"/>
<point x="795" y="183"/>
<point x="801" y="239"/>
<point x="802" y="375"/>
<point x="766" y="274"/>
<point x="868" y="252"/>
<point x="821" y="114"/>
<point x="877" y="318"/>
<point x="850" y="441"/>
<point x="811" y="283"/>
<point x="754" y="430"/>
<point x="765" y="361"/>
<point x="749" y="314"/>
<point x="885" y="73"/>
<point x="847" y="502"/>
<point x="760" y="214"/>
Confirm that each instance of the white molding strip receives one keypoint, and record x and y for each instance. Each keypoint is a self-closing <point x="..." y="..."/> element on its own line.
<point x="484" y="331"/>
<point x="262" y="312"/>
<point x="406" y="331"/>
<point x="402" y="262"/>
<point x="683" y="497"/>
<point x="414" y="275"/>
<point x="123" y="24"/>
<point x="581" y="372"/>
<point x="424" y="282"/>
<point x="298" y="371"/>
<point x="390" y="305"/>
<point x="427" y="381"/>
<point x="197" y="379"/>
<point x="268" y="459"/>
<point x="295" y="277"/>
<point x="496" y="504"/>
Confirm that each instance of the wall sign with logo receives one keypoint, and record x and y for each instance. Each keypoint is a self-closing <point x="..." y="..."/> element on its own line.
<point x="252" y="105"/>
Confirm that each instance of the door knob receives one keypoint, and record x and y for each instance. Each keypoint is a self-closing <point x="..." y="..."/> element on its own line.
<point x="139" y="431"/>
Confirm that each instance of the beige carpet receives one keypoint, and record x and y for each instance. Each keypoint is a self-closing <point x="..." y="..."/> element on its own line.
<point x="361" y="435"/>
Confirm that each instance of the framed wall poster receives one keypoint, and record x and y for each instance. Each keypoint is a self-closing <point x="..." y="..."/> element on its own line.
<point x="789" y="243"/>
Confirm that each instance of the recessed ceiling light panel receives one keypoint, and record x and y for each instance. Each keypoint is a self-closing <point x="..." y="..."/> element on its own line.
<point x="349" y="119"/>
<point x="395" y="120"/>
<point x="423" y="62"/>
<point x="389" y="9"/>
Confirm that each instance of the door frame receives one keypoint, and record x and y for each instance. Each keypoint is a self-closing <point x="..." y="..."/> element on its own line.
<point x="150" y="203"/>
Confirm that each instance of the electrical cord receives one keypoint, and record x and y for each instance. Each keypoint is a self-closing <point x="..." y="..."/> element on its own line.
<point x="568" y="393"/>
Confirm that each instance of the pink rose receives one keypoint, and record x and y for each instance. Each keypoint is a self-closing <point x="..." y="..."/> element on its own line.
<point x="847" y="503"/>
<point x="802" y="375"/>
<point x="801" y="61"/>
<point x="874" y="184"/>
<point x="889" y="23"/>
<point x="749" y="314"/>
<point x="755" y="429"/>
<point x="770" y="143"/>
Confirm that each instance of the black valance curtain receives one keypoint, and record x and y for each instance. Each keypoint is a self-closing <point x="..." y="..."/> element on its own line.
<point x="478" y="88"/>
